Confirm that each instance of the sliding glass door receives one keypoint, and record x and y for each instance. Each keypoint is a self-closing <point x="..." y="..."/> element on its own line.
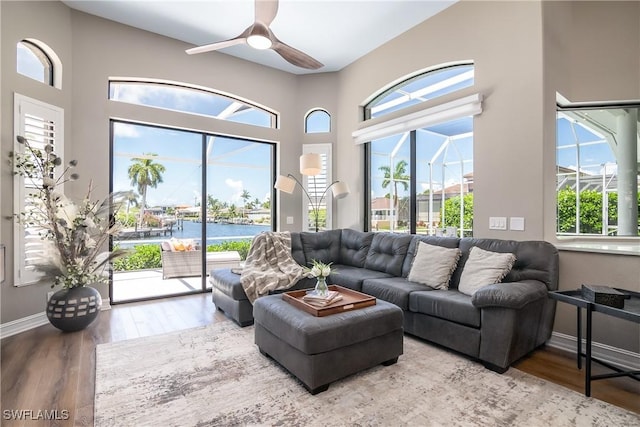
<point x="239" y="193"/>
<point x="188" y="195"/>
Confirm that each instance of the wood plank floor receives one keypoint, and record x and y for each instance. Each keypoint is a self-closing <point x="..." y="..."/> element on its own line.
<point x="44" y="369"/>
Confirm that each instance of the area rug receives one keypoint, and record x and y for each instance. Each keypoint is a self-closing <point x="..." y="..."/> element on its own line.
<point x="215" y="376"/>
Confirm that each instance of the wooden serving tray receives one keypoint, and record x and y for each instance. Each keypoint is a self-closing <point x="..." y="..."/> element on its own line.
<point x="351" y="300"/>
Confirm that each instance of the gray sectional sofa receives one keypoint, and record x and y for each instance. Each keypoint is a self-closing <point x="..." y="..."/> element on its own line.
<point x="497" y="325"/>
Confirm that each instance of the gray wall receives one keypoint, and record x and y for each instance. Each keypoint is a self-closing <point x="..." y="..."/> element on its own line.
<point x="523" y="51"/>
<point x="49" y="22"/>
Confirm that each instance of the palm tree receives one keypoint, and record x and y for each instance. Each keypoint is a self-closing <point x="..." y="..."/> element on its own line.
<point x="144" y="173"/>
<point x="399" y="177"/>
<point x="232" y="211"/>
<point x="214" y="205"/>
<point x="131" y="197"/>
<point x="245" y="196"/>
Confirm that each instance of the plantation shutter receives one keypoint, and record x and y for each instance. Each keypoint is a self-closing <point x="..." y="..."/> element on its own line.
<point x="315" y="186"/>
<point x="40" y="124"/>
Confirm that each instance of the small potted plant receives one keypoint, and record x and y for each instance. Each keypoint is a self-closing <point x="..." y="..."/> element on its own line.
<point x="75" y="234"/>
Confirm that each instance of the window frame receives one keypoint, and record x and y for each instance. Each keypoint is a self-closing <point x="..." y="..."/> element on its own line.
<point x="563" y="105"/>
<point x="43" y="57"/>
<point x="310" y="114"/>
<point x="410" y="119"/>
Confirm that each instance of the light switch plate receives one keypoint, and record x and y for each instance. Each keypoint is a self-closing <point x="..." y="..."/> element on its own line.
<point x="516" y="223"/>
<point x="289" y="220"/>
<point x="498" y="223"/>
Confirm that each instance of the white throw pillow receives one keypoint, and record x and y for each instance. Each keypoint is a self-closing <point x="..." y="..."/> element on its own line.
<point x="433" y="265"/>
<point x="484" y="268"/>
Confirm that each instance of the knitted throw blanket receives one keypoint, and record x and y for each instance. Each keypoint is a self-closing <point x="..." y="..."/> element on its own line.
<point x="269" y="265"/>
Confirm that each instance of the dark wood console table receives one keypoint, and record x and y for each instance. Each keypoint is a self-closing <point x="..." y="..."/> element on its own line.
<point x="630" y="312"/>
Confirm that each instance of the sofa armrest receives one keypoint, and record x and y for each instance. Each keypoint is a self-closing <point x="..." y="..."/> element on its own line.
<point x="509" y="295"/>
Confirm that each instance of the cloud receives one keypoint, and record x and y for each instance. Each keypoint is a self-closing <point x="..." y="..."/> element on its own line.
<point x="125" y="130"/>
<point x="160" y="96"/>
<point x="236" y="186"/>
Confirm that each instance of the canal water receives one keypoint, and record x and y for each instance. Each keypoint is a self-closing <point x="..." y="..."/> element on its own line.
<point x="216" y="233"/>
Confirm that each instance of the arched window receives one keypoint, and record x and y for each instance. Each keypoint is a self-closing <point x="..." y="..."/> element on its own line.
<point x="38" y="61"/>
<point x="421" y="163"/>
<point x="193" y="100"/>
<point x="420" y="88"/>
<point x="317" y="121"/>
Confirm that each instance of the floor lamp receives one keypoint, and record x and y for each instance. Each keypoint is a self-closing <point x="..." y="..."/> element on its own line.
<point x="311" y="165"/>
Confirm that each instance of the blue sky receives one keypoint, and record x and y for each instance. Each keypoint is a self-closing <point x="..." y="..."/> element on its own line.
<point x="234" y="165"/>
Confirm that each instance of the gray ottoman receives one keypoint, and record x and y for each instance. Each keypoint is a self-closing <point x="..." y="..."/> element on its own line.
<point x="320" y="350"/>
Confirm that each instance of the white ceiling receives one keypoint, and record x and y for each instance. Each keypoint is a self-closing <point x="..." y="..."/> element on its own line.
<point x="335" y="32"/>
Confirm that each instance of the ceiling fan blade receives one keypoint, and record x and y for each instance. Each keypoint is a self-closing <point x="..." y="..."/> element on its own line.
<point x="266" y="11"/>
<point x="242" y="38"/>
<point x="216" y="46"/>
<point x="294" y="56"/>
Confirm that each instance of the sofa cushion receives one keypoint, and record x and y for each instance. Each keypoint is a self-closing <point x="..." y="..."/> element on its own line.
<point x="449" y="305"/>
<point x="297" y="251"/>
<point x="445" y="242"/>
<point x="484" y="268"/>
<point x="395" y="290"/>
<point x="354" y="247"/>
<point x="182" y="245"/>
<point x="433" y="265"/>
<point x="323" y="246"/>
<point x="535" y="260"/>
<point x="228" y="283"/>
<point x="352" y="277"/>
<point x="387" y="252"/>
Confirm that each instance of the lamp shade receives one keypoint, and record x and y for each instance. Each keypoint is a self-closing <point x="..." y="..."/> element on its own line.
<point x="310" y="164"/>
<point x="340" y="189"/>
<point x="286" y="184"/>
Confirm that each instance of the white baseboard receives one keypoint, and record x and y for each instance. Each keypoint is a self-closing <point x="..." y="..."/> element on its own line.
<point x="616" y="356"/>
<point x="23" y="324"/>
<point x="39" y="319"/>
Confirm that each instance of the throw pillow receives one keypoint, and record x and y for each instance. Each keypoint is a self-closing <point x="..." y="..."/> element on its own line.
<point x="433" y="265"/>
<point x="484" y="268"/>
<point x="166" y="246"/>
<point x="176" y="245"/>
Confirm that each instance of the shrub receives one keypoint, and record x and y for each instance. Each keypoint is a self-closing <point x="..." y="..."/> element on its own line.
<point x="242" y="246"/>
<point x="141" y="257"/>
<point x="452" y="212"/>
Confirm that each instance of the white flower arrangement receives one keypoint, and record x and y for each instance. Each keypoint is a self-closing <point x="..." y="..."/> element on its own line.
<point x="77" y="232"/>
<point x="319" y="269"/>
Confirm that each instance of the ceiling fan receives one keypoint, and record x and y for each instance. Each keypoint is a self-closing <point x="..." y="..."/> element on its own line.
<point x="259" y="36"/>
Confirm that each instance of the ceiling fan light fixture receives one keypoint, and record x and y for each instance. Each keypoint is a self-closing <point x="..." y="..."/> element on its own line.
<point x="258" y="41"/>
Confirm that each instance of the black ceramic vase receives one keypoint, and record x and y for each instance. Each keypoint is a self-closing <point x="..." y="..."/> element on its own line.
<point x="74" y="309"/>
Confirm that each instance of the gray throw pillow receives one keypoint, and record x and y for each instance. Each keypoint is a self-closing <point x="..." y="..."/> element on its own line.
<point x="484" y="268"/>
<point x="433" y="265"/>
